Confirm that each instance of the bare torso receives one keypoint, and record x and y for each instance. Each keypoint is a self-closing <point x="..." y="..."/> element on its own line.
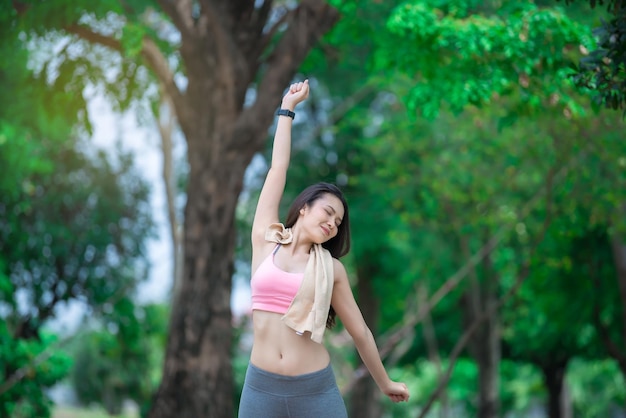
<point x="278" y="349"/>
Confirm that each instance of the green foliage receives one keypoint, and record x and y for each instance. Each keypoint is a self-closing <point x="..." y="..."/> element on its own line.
<point x="75" y="232"/>
<point x="522" y="386"/>
<point x="503" y="117"/>
<point x="64" y="41"/>
<point x="72" y="225"/>
<point x="460" y="58"/>
<point x="597" y="388"/>
<point x="41" y="367"/>
<point x="603" y="71"/>
<point x="132" y="39"/>
<point x="122" y="360"/>
<point x="423" y="378"/>
<point x="574" y="276"/>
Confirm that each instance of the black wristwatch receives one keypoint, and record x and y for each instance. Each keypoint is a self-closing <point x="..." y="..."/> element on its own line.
<point x="286" y="112"/>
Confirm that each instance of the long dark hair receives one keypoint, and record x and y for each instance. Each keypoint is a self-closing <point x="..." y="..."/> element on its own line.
<point x="339" y="245"/>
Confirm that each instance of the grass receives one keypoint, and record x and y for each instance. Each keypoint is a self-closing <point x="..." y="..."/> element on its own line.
<point x="70" y="412"/>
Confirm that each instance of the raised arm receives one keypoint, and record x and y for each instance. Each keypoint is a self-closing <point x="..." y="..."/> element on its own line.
<point x="274" y="186"/>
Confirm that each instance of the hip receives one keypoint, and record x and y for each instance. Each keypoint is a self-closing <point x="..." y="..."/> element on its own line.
<point x="310" y="395"/>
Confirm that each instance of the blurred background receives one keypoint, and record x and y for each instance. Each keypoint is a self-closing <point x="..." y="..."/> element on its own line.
<point x="480" y="145"/>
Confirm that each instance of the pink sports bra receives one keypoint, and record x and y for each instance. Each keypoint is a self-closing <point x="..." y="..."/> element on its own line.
<point x="273" y="289"/>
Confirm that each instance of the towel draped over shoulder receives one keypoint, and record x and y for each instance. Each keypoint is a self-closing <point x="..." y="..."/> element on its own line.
<point x="309" y="309"/>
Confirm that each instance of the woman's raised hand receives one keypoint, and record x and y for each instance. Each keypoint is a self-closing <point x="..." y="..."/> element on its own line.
<point x="297" y="93"/>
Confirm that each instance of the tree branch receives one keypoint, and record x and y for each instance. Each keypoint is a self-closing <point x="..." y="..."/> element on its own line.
<point x="181" y="13"/>
<point x="339" y="111"/>
<point x="521" y="277"/>
<point x="467" y="335"/>
<point x="603" y="330"/>
<point x="87" y="34"/>
<point x="157" y="62"/>
<point x="307" y="23"/>
<point x="271" y="33"/>
<point x="150" y="52"/>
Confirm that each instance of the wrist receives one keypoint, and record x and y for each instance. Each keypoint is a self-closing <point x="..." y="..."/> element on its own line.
<point x="287" y="105"/>
<point x="286" y="112"/>
<point x="385" y="384"/>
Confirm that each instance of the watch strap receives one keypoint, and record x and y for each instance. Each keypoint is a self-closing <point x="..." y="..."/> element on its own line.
<point x="286" y="112"/>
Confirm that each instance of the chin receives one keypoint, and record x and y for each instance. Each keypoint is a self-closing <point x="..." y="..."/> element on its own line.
<point x="321" y="240"/>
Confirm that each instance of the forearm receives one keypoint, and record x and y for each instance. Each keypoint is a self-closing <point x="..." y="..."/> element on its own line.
<point x="281" y="150"/>
<point x="366" y="346"/>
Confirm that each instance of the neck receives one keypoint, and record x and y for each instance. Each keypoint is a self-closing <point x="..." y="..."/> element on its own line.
<point x="300" y="244"/>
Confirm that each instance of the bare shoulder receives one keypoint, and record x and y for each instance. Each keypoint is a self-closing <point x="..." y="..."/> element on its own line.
<point x="339" y="271"/>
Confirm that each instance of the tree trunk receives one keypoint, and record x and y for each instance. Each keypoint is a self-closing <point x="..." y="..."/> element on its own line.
<point x="430" y="339"/>
<point x="617" y="350"/>
<point x="197" y="377"/>
<point x="490" y="356"/>
<point x="365" y="396"/>
<point x="484" y="347"/>
<point x="223" y="45"/>
<point x="554" y="375"/>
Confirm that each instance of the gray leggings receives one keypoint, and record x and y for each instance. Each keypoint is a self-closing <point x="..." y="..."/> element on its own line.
<point x="271" y="395"/>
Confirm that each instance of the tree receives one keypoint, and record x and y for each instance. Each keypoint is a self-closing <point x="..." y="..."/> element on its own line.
<point x="72" y="226"/>
<point x="472" y="54"/>
<point x="456" y="54"/>
<point x="71" y="233"/>
<point x="219" y="50"/>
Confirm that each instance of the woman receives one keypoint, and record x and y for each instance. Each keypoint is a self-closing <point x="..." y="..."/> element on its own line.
<point x="298" y="285"/>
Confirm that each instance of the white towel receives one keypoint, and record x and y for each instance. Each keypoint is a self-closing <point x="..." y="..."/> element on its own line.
<point x="309" y="309"/>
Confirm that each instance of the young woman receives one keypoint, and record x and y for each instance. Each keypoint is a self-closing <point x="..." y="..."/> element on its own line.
<point x="298" y="285"/>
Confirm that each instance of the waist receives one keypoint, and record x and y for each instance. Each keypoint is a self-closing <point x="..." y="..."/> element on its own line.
<point x="278" y="349"/>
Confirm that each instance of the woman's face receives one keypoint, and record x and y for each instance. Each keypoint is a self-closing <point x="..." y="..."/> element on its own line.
<point x="323" y="217"/>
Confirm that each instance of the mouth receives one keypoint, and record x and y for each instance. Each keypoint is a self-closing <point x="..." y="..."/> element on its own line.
<point x="326" y="231"/>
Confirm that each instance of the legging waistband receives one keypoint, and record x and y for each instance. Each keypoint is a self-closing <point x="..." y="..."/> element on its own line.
<point x="308" y="383"/>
